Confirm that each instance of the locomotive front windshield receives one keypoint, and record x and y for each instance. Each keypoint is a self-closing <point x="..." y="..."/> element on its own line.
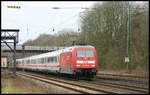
<point x="85" y="53"/>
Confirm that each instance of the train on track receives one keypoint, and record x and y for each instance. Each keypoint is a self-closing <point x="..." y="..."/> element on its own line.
<point x="78" y="60"/>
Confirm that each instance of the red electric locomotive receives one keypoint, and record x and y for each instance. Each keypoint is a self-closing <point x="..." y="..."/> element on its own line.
<point x="80" y="61"/>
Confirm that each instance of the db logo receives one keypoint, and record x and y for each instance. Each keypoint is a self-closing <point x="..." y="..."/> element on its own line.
<point x="85" y="61"/>
<point x="85" y="58"/>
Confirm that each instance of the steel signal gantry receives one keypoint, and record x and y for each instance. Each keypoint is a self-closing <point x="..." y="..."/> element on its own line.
<point x="13" y="35"/>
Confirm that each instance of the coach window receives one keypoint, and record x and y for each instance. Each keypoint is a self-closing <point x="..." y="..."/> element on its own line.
<point x="55" y="59"/>
<point x="58" y="59"/>
<point x="31" y="61"/>
<point x="22" y="62"/>
<point x="48" y="59"/>
<point x="45" y="60"/>
<point x="52" y="59"/>
<point x="27" y="61"/>
<point x="42" y="60"/>
<point x="38" y="61"/>
<point x="34" y="61"/>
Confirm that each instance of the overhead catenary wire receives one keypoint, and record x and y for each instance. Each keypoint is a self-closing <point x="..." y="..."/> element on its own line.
<point x="63" y="22"/>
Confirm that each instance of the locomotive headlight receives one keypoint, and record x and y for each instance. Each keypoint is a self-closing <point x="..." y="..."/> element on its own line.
<point x="80" y="62"/>
<point x="77" y="65"/>
<point x="91" y="61"/>
<point x="93" y="65"/>
<point x="85" y="61"/>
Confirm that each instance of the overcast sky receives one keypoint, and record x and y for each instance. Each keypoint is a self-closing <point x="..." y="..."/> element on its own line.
<point x="40" y="18"/>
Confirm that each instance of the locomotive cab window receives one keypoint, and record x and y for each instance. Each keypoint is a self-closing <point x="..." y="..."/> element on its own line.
<point x="85" y="53"/>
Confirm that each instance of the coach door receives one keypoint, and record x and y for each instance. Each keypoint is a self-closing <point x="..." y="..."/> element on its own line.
<point x="66" y="62"/>
<point x="69" y="62"/>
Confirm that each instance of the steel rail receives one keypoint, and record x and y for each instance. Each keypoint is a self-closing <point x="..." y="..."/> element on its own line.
<point x="123" y="75"/>
<point x="47" y="80"/>
<point x="121" y="86"/>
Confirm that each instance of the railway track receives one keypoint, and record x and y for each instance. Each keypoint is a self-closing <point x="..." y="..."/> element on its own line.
<point x="134" y="84"/>
<point x="143" y="84"/>
<point x="120" y="86"/>
<point x="127" y="78"/>
<point x="129" y="82"/>
<point x="124" y="76"/>
<point x="90" y="87"/>
<point x="72" y="86"/>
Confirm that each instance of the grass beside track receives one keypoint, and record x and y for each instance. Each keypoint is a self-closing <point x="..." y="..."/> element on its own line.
<point x="15" y="85"/>
<point x="6" y="88"/>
